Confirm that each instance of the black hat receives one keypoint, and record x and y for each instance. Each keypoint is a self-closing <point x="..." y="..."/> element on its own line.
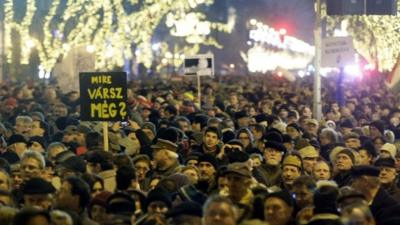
<point x="237" y="156"/>
<point x="370" y="148"/>
<point x="37" y="139"/>
<point x="62" y="156"/>
<point x="358" y="171"/>
<point x="120" y="203"/>
<point x="385" y="162"/>
<point x="36" y="186"/>
<point x="378" y="124"/>
<point x="292" y="113"/>
<point x="16" y="138"/>
<point x="347" y="192"/>
<point x="346" y="124"/>
<point x="193" y="156"/>
<point x="158" y="194"/>
<point x="84" y="129"/>
<point x="241" y="114"/>
<point x="325" y="200"/>
<point x="185" y="208"/>
<point x="295" y="126"/>
<point x="209" y="158"/>
<point x="273" y="136"/>
<point x="261" y="118"/>
<point x="191" y="193"/>
<point x="283" y="195"/>
<point x="227" y="136"/>
<point x="286" y="138"/>
<point x="275" y="145"/>
<point x="75" y="163"/>
<point x="202" y="119"/>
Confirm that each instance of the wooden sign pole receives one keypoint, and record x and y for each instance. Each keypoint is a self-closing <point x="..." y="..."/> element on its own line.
<point x="105" y="136"/>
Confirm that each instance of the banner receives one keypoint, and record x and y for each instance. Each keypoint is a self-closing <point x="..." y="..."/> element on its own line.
<point x="103" y="96"/>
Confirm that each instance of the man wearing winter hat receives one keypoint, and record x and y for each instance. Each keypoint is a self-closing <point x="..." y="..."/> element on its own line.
<point x="325" y="206"/>
<point x="208" y="166"/>
<point x="343" y="160"/>
<point x="376" y="129"/>
<point x="388" y="175"/>
<point x="388" y="150"/>
<point x="185" y="213"/>
<point x="352" y="140"/>
<point x="158" y="202"/>
<point x="311" y="127"/>
<point x="165" y="157"/>
<point x="309" y="155"/>
<point x="279" y="200"/>
<point x="239" y="177"/>
<point x="366" y="180"/>
<point x="270" y="172"/>
<point x="292" y="168"/>
<point x="38" y="193"/>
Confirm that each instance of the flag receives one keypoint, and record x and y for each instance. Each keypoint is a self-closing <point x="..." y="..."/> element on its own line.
<point x="392" y="81"/>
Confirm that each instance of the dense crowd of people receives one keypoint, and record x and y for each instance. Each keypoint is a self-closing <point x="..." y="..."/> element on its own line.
<point x="250" y="151"/>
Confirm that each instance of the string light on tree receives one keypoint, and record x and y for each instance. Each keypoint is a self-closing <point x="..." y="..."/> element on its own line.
<point x="109" y="28"/>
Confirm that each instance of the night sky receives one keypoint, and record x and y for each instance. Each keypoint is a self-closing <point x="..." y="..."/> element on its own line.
<point x="296" y="16"/>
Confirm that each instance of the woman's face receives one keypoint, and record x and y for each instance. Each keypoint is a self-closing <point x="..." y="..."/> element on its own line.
<point x="97" y="188"/>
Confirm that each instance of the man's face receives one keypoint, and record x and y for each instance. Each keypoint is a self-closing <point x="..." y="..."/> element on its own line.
<point x="321" y="171"/>
<point x="184" y="125"/>
<point x="290" y="173"/>
<point x="192" y="175"/>
<point x="365" y="158"/>
<point x="374" y="132"/>
<point x="276" y="211"/>
<point x="312" y="128"/>
<point x="207" y="171"/>
<point x="384" y="154"/>
<point x="219" y="214"/>
<point x="192" y="162"/>
<point x="387" y="175"/>
<point x="292" y="132"/>
<point x="157" y="207"/>
<point x="236" y="184"/>
<point x="20" y="148"/>
<point x="160" y="156"/>
<point x="309" y="163"/>
<point x="64" y="197"/>
<point x="98" y="213"/>
<point x="244" y="139"/>
<point x="272" y="156"/>
<point x="353" y="143"/>
<point x="80" y="139"/>
<point x="343" y="162"/>
<point x="149" y="133"/>
<point x="304" y="197"/>
<point x="53" y="152"/>
<point x="69" y="137"/>
<point x="30" y="168"/>
<point x="196" y="127"/>
<point x="210" y="139"/>
<point x="40" y="201"/>
<point x="4" y="181"/>
<point x="36" y="146"/>
<point x="141" y="168"/>
<point x="244" y="121"/>
<point x="36" y="129"/>
<point x="23" y="127"/>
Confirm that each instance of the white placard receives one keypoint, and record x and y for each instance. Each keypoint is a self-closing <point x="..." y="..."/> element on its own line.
<point x="337" y="52"/>
<point x="199" y="65"/>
